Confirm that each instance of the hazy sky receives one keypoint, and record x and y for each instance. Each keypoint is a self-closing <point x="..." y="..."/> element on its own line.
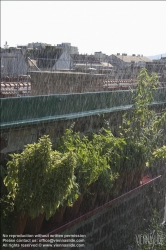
<point x="132" y="27"/>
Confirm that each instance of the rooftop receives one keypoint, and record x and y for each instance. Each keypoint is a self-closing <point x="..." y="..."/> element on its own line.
<point x="132" y="58"/>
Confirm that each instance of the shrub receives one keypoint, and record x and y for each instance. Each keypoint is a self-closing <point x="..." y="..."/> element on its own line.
<point x="39" y="179"/>
<point x="90" y="163"/>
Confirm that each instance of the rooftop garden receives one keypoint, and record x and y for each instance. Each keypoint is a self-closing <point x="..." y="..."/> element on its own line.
<point x="92" y="169"/>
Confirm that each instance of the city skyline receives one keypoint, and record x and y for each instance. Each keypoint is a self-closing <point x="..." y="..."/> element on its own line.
<point x="107" y="26"/>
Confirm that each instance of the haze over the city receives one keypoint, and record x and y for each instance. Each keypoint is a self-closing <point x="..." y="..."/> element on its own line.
<point x="108" y="26"/>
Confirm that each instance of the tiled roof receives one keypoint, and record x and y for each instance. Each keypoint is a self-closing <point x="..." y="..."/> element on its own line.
<point x="135" y="59"/>
<point x="11" y="89"/>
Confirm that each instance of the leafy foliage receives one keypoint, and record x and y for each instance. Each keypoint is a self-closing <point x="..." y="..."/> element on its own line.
<point x="90" y="162"/>
<point x="60" y="186"/>
<point x="38" y="179"/>
<point x="160" y="153"/>
<point x="143" y="130"/>
<point x="41" y="179"/>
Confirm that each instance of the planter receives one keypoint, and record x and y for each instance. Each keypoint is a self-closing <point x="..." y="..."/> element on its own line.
<point x="111" y="209"/>
<point x="127" y="181"/>
<point x="71" y="212"/>
<point x="57" y="218"/>
<point x="102" y="199"/>
<point x="21" y="222"/>
<point x="117" y="186"/>
<point x="54" y="221"/>
<point x="88" y="203"/>
<point x="89" y="199"/>
<point x="33" y="226"/>
<point x="132" y="179"/>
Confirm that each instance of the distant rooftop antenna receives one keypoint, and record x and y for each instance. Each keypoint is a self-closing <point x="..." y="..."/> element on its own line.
<point x="6" y="45"/>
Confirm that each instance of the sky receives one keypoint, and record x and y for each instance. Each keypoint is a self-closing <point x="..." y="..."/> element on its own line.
<point x="132" y="27"/>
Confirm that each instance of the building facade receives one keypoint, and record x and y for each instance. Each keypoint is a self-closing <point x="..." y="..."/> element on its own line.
<point x="37" y="45"/>
<point x="13" y="62"/>
<point x="67" y="47"/>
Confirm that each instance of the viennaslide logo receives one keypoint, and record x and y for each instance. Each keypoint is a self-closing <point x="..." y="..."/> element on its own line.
<point x="151" y="239"/>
